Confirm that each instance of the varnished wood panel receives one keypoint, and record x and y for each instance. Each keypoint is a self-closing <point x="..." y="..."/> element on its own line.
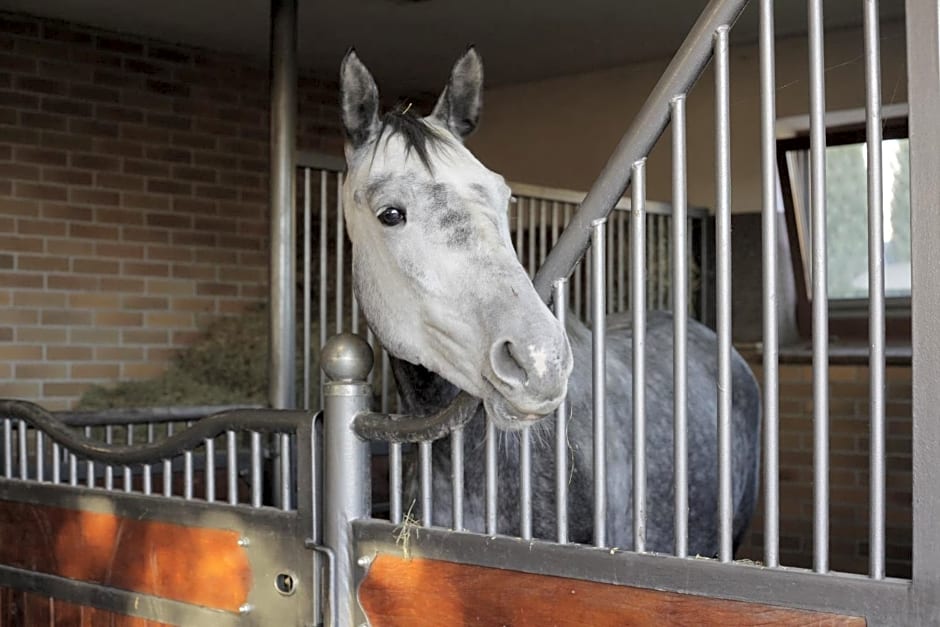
<point x="418" y="592"/>
<point x="189" y="564"/>
<point x="28" y="609"/>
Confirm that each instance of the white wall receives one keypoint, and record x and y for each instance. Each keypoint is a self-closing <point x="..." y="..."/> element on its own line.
<point x="560" y="132"/>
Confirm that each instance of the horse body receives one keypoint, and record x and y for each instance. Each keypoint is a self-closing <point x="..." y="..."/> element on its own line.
<point x="435" y="274"/>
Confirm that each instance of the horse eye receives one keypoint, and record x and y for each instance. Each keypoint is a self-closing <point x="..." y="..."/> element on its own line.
<point x="392" y="216"/>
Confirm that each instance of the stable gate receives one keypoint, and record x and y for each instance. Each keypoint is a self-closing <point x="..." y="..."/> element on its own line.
<point x="114" y="548"/>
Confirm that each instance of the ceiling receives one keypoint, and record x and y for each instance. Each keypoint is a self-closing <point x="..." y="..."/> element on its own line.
<point x="410" y="44"/>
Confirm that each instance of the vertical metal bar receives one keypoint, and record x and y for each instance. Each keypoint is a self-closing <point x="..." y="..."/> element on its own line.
<point x="543" y="231"/>
<point x="610" y="256"/>
<point x="587" y="264"/>
<point x="427" y="494"/>
<point x="769" y="223"/>
<point x="923" y="67"/>
<point x="820" y="296"/>
<point x="386" y="379"/>
<point x="323" y="312"/>
<point x="89" y="465"/>
<point x="231" y="459"/>
<point x="723" y="250"/>
<point x="40" y="457"/>
<point x="7" y="448"/>
<point x="520" y="227"/>
<point x="148" y="469"/>
<point x="283" y="132"/>
<point x="108" y="469"/>
<point x="622" y="289"/>
<point x="560" y="306"/>
<point x="73" y="470"/>
<point x="394" y="482"/>
<point x="307" y="312"/>
<point x="638" y="298"/>
<point x="680" y="309"/>
<point x="56" y="463"/>
<point x="286" y="499"/>
<point x="168" y="467"/>
<point x="23" y="457"/>
<point x="555" y="219"/>
<point x="876" y="294"/>
<point x="533" y="227"/>
<point x="210" y="469"/>
<point x="491" y="483"/>
<point x="256" y="477"/>
<point x="346" y="457"/>
<point x="188" y="475"/>
<point x="129" y="441"/>
<point x="456" y="460"/>
<point x="599" y="380"/>
<point x="340" y="245"/>
<point x="525" y="484"/>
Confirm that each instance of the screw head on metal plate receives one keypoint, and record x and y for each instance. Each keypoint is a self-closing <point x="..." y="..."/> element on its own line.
<point x="346" y="357"/>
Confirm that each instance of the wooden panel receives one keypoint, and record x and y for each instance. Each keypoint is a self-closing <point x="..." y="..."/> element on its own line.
<point x="27" y="609"/>
<point x="189" y="564"/>
<point x="430" y="592"/>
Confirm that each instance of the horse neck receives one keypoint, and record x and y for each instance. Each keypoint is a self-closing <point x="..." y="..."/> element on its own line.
<point x="422" y="392"/>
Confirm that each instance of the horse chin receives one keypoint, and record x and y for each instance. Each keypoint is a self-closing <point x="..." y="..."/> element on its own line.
<point x="505" y="416"/>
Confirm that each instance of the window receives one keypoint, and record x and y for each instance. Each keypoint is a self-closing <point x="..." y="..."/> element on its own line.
<point x="847" y="224"/>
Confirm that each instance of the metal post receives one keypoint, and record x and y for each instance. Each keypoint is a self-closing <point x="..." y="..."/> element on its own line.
<point x="923" y="67"/>
<point x="346" y="360"/>
<point x="638" y="300"/>
<point x="283" y="131"/>
<point x="599" y="381"/>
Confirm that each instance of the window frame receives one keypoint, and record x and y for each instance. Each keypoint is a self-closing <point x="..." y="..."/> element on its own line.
<point x="848" y="318"/>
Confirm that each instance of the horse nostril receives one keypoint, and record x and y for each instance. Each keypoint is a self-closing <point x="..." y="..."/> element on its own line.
<point x="505" y="365"/>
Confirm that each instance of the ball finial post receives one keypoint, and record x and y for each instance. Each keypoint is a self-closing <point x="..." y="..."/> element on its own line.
<point x="346" y="357"/>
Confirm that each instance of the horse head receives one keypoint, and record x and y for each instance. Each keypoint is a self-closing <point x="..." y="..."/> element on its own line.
<point x="433" y="265"/>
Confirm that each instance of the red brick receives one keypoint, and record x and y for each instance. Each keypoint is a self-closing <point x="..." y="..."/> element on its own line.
<point x="66" y="212"/>
<point x="67" y="106"/>
<point x="40" y="191"/>
<point x="95" y="162"/>
<point x="121" y="182"/>
<point x="146" y="269"/>
<point x="67" y="176"/>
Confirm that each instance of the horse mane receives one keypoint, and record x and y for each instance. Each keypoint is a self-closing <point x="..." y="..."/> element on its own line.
<point x="417" y="134"/>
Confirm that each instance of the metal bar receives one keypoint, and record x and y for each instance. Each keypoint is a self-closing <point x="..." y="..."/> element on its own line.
<point x="680" y="309"/>
<point x="456" y="457"/>
<point x="662" y="241"/>
<point x="231" y="461"/>
<point x="610" y="273"/>
<point x="520" y="229"/>
<point x="923" y="67"/>
<point x="386" y="376"/>
<point x="622" y="289"/>
<point x="148" y="469"/>
<point x="771" y="391"/>
<point x="307" y="311"/>
<point x="555" y="220"/>
<point x="210" y="470"/>
<point x="638" y="298"/>
<point x="40" y="457"/>
<point x="533" y="228"/>
<point x="491" y="479"/>
<point x="340" y="245"/>
<point x="820" y="296"/>
<point x="56" y="463"/>
<point x="394" y="482"/>
<point x="283" y="132"/>
<point x="639" y="139"/>
<point x="588" y="264"/>
<point x="323" y="312"/>
<point x="90" y="465"/>
<point x="73" y="470"/>
<point x="256" y="476"/>
<point x="525" y="483"/>
<point x="129" y="440"/>
<point x="7" y="448"/>
<point x="168" y="467"/>
<point x="108" y="469"/>
<point x="286" y="499"/>
<point x="599" y="381"/>
<point x="23" y="456"/>
<point x="876" y="294"/>
<point x="427" y="494"/>
<point x="560" y="307"/>
<point x="543" y="231"/>
<point x="723" y="251"/>
<point x="188" y="472"/>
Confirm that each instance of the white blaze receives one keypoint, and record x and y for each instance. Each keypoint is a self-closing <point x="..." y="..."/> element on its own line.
<point x="539" y="361"/>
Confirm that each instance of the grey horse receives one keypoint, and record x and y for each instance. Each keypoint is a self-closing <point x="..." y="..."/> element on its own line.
<point x="436" y="275"/>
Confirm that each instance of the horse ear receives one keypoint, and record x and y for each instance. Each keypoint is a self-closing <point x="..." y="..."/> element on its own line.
<point x="359" y="100"/>
<point x="460" y="103"/>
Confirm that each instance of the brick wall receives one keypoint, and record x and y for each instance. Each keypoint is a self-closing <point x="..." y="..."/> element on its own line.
<point x="848" y="476"/>
<point x="133" y="199"/>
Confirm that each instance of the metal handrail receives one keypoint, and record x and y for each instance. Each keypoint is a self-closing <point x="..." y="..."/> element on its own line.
<point x="142" y="415"/>
<point x="262" y="420"/>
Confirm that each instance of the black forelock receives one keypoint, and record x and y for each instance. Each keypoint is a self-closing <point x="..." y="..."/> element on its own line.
<point x="417" y="134"/>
